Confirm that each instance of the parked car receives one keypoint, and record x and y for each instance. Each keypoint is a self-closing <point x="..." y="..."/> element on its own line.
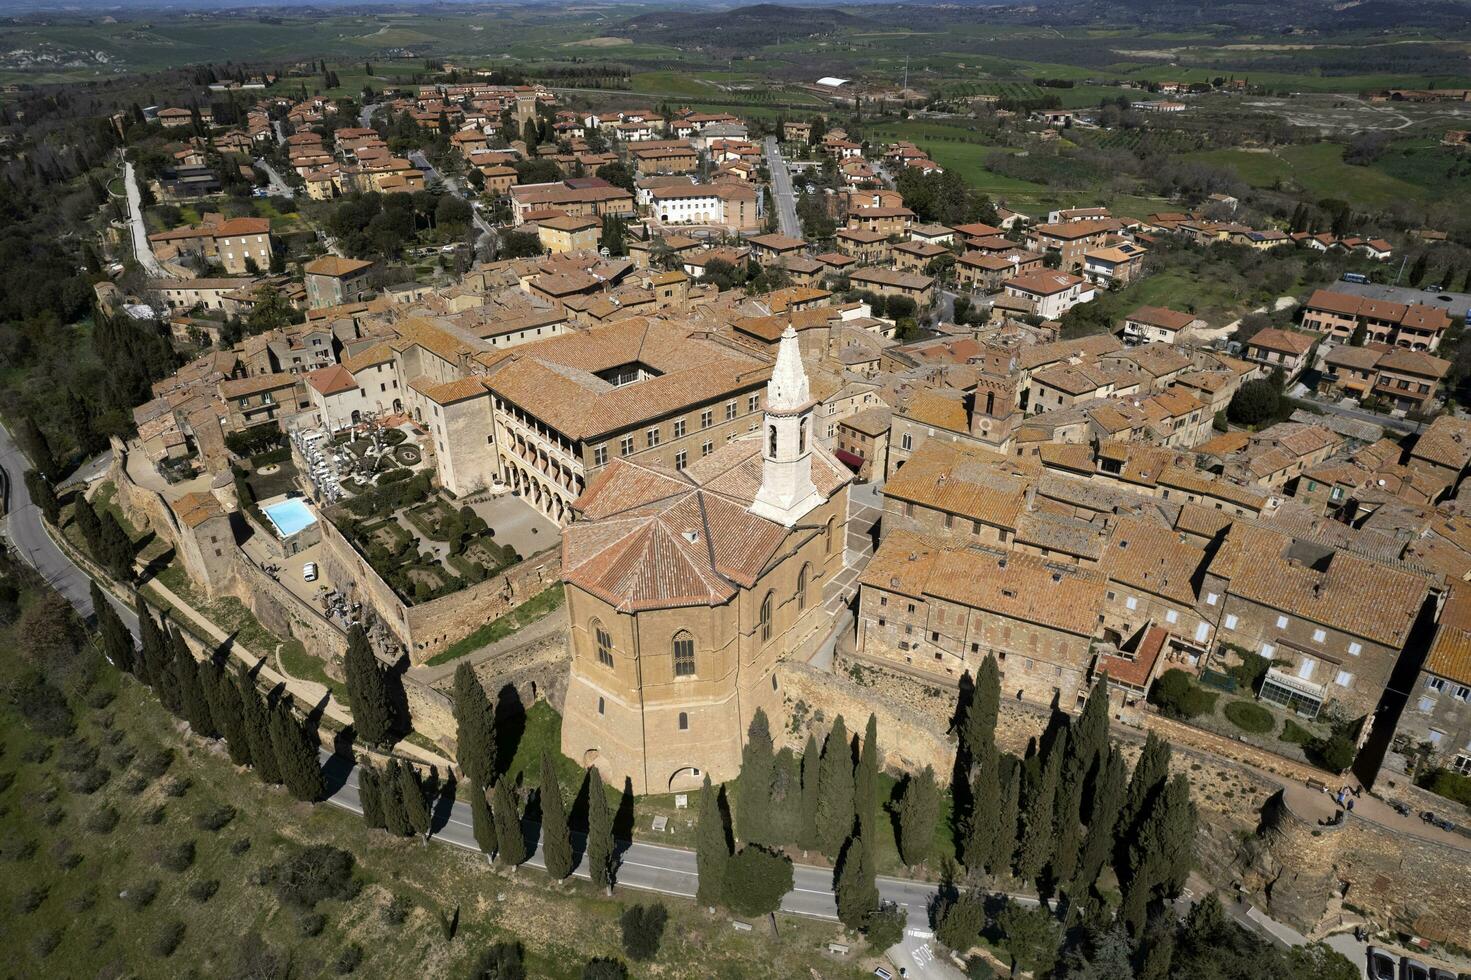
<point x="1436" y="973"/>
<point x="1381" y="964"/>
<point x="309" y="571"/>
<point x="1413" y="970"/>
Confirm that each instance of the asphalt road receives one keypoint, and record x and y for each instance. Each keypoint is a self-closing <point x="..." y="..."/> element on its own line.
<point x="781" y="190"/>
<point x="451" y="183"/>
<point x="278" y="186"/>
<point x="139" y="231"/>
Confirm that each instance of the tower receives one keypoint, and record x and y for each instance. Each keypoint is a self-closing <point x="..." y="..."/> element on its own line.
<point x="787" y="492"/>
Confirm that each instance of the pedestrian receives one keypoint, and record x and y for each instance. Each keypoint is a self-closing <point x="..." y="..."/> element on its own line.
<point x="1350" y="806"/>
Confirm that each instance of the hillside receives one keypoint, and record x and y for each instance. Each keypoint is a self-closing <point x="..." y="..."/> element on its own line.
<point x="744" y="27"/>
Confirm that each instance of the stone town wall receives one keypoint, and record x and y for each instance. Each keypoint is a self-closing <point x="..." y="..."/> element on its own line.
<point x="144" y="508"/>
<point x="436" y="624"/>
<point x="285" y="613"/>
<point x="429" y="627"/>
<point x="1408" y="883"/>
<point x="522" y="675"/>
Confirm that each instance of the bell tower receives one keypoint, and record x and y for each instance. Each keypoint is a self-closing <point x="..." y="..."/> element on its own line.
<point x="787" y="492"/>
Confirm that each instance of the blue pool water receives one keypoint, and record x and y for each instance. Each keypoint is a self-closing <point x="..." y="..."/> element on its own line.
<point x="290" y="516"/>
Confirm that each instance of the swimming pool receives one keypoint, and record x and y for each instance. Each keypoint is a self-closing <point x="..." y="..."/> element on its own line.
<point x="290" y="516"/>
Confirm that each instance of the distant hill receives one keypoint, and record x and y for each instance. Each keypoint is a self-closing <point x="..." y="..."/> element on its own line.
<point x="1258" y="15"/>
<point x="743" y="27"/>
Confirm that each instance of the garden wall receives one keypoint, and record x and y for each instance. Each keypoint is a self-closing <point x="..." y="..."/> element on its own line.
<point x="429" y="627"/>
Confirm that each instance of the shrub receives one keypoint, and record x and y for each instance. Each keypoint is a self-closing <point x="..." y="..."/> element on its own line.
<point x="177" y="858"/>
<point x="30" y="899"/>
<point x="643" y="928"/>
<point x="1336" y="752"/>
<point x="176" y="788"/>
<point x="45" y="942"/>
<point x="349" y="959"/>
<point x="1250" y="717"/>
<point x="311" y="923"/>
<point x="503" y="961"/>
<point x="215" y="818"/>
<point x="155" y="816"/>
<point x="1295" y="733"/>
<point x="202" y="891"/>
<point x="604" y="968"/>
<point x="155" y="764"/>
<point x="89" y="781"/>
<point x="1177" y="696"/>
<point x="1249" y="673"/>
<point x="141" y="895"/>
<point x="135" y="784"/>
<point x="53" y="816"/>
<point x="168" y="939"/>
<point x="102" y="820"/>
<point x="84" y="900"/>
<point x="1451" y="785"/>
<point x="124" y="756"/>
<point x="1254" y="403"/>
<point x="18" y="848"/>
<point x="755" y="881"/>
<point x="7" y="779"/>
<point x="884" y="927"/>
<point x="397" y="910"/>
<point x="314" y="873"/>
<point x="76" y="755"/>
<point x="240" y="846"/>
<point x="102" y="934"/>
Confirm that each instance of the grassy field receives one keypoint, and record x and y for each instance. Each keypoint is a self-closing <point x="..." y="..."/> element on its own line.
<point x="133" y="850"/>
<point x="1318" y="168"/>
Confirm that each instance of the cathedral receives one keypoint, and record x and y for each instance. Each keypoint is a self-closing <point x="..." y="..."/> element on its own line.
<point x="686" y="587"/>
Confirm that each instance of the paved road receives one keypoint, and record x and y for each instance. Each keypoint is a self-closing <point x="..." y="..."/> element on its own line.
<point x="781" y="190"/>
<point x="278" y="186"/>
<point x="452" y="184"/>
<point x="139" y="231"/>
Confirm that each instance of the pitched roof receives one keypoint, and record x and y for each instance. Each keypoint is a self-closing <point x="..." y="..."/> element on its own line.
<point x="1159" y="316"/>
<point x="1282" y="341"/>
<point x="652" y="537"/>
<point x="331" y="380"/>
<point x="335" y="266"/>
<point x="1450" y="651"/>
<point x="968" y="481"/>
<point x="193" y="509"/>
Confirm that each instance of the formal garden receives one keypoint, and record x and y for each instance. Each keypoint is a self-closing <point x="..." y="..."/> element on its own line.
<point x="1225" y="702"/>
<point x="417" y="540"/>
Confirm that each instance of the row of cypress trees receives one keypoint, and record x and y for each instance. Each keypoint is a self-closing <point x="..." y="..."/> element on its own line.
<point x="260" y="731"/>
<point x="1070" y="807"/>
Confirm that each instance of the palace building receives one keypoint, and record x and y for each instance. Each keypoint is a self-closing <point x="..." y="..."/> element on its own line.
<point x="685" y="587"/>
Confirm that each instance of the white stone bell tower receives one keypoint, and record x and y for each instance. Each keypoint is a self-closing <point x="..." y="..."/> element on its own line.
<point x="787" y="492"/>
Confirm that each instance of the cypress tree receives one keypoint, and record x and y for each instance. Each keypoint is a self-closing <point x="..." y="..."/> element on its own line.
<point x="166" y="683"/>
<point x="38" y="447"/>
<point x="85" y="517"/>
<point x="415" y="804"/>
<point x="712" y="847"/>
<point x="1098" y="844"/>
<point x="1007" y="811"/>
<point x="224" y="708"/>
<point x="866" y="785"/>
<point x="856" y="890"/>
<point x="753" y="798"/>
<point x="296" y="754"/>
<point x="1038" y="827"/>
<point x="1159" y="855"/>
<point x="257" y="729"/>
<point x="1145" y="783"/>
<point x="191" y="694"/>
<point x="978" y="727"/>
<point x="556" y="839"/>
<point x="835" y="792"/>
<point x="483" y="821"/>
<point x="151" y="642"/>
<point x="982" y="827"/>
<point x="919" y="810"/>
<point x="600" y="856"/>
<point x="807" y="838"/>
<point x="370" y="796"/>
<point x="1087" y="744"/>
<point x="116" y="554"/>
<point x="512" y="843"/>
<point x="474" y="727"/>
<point x="44" y="497"/>
<point x="372" y="712"/>
<point x="117" y="642"/>
<point x="1067" y="831"/>
<point x="395" y="821"/>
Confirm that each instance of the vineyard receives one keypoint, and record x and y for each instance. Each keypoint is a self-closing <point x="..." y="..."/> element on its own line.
<point x="1147" y="142"/>
<point x="1015" y="91"/>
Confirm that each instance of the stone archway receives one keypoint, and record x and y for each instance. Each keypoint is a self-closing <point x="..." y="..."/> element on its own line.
<point x="685" y="779"/>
